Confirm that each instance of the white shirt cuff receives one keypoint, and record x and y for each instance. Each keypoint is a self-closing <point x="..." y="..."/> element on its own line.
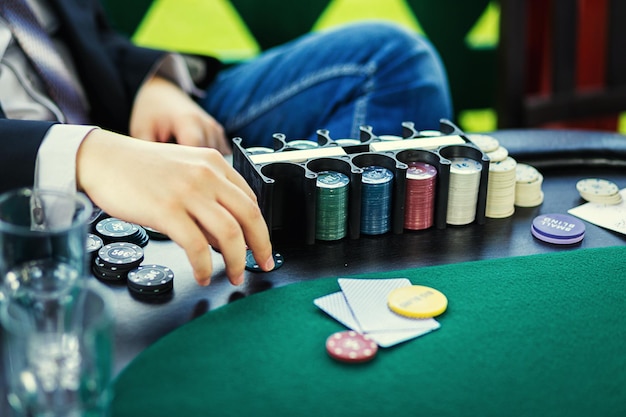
<point x="56" y="159"/>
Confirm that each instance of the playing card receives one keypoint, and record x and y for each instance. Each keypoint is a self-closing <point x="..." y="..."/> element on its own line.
<point x="367" y="299"/>
<point x="336" y="306"/>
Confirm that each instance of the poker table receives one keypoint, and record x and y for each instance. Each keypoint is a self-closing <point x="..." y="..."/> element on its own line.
<point x="531" y="328"/>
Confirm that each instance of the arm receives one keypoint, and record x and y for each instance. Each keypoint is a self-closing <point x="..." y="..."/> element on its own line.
<point x="192" y="194"/>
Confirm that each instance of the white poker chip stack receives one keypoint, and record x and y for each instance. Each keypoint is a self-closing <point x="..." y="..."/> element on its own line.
<point x="501" y="188"/>
<point x="510" y="183"/>
<point x="485" y="143"/>
<point x="598" y="190"/>
<point x="500" y="154"/>
<point x="463" y="191"/>
<point x="490" y="146"/>
<point x="528" y="192"/>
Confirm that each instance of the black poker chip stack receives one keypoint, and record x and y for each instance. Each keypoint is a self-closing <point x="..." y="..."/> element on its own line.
<point x="113" y="229"/>
<point x="115" y="250"/>
<point x="150" y="280"/>
<point x="115" y="260"/>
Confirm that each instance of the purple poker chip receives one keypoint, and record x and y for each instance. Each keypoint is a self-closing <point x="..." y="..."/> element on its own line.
<point x="554" y="240"/>
<point x="558" y="228"/>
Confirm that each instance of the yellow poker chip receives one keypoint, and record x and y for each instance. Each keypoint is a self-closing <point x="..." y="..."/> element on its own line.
<point x="417" y="301"/>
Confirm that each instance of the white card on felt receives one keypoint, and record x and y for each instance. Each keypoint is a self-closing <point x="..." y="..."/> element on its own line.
<point x="367" y="299"/>
<point x="336" y="306"/>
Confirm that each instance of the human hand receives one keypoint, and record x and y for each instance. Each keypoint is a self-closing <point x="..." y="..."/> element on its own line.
<point x="163" y="111"/>
<point x="191" y="194"/>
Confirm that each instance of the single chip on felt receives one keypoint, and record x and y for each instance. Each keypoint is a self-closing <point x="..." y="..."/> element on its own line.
<point x="350" y="346"/>
<point x="417" y="301"/>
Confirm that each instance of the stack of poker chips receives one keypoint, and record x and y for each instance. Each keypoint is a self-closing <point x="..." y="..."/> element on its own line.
<point x="598" y="190"/>
<point x="116" y="252"/>
<point x="376" y="200"/>
<point x="116" y="260"/>
<point x="121" y="250"/>
<point x="490" y="146"/>
<point x="112" y="229"/>
<point x="463" y="192"/>
<point x="331" y="222"/>
<point x="526" y="179"/>
<point x="419" y="211"/>
<point x="528" y="191"/>
<point x="501" y="188"/>
<point x="150" y="280"/>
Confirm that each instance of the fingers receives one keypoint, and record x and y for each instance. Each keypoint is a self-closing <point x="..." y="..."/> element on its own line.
<point x="162" y="112"/>
<point x="223" y="208"/>
<point x="224" y="233"/>
<point x="212" y="226"/>
<point x="232" y="221"/>
<point x="191" y="194"/>
<point x="186" y="234"/>
<point x="202" y="131"/>
<point x="249" y="216"/>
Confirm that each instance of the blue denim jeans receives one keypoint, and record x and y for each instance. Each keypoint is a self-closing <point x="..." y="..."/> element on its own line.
<point x="365" y="73"/>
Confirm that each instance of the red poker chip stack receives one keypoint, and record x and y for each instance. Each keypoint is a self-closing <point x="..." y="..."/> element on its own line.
<point x="419" y="205"/>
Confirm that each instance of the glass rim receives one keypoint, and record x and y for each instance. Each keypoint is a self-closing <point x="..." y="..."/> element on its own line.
<point x="77" y="221"/>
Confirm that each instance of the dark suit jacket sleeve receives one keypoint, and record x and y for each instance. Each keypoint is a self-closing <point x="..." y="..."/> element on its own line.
<point x="19" y="142"/>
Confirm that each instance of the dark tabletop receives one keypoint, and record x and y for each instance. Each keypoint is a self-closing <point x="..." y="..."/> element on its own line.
<point x="563" y="157"/>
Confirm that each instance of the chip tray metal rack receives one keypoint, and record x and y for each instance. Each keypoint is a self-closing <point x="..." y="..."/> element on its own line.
<point x="284" y="180"/>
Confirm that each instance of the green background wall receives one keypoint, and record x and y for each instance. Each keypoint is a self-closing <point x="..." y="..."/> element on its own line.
<point x="464" y="32"/>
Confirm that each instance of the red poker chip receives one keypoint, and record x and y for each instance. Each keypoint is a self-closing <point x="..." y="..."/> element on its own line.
<point x="350" y="346"/>
<point x="421" y="179"/>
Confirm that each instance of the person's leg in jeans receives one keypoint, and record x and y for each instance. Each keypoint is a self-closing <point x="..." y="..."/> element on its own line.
<point x="371" y="73"/>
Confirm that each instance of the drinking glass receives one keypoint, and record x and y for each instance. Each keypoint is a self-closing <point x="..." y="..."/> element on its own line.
<point x="56" y="322"/>
<point x="58" y="356"/>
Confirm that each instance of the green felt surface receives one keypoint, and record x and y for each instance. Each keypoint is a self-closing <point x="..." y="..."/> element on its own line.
<point x="542" y="335"/>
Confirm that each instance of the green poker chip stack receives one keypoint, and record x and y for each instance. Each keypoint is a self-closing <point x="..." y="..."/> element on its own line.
<point x="332" y="206"/>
